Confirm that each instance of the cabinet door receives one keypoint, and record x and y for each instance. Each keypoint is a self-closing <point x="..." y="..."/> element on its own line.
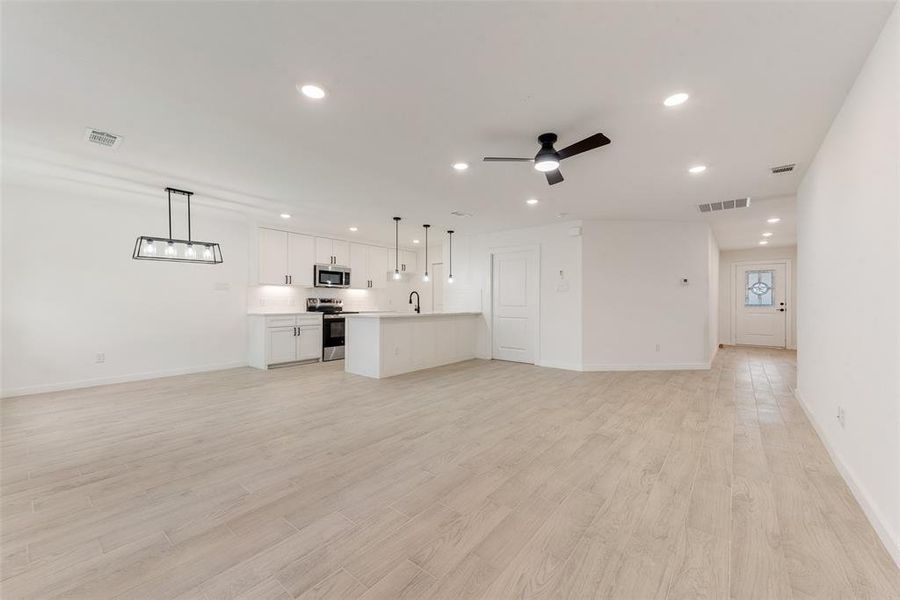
<point x="407" y="261"/>
<point x="378" y="266"/>
<point x="323" y="251"/>
<point x="359" y="269"/>
<point x="301" y="258"/>
<point x="272" y="257"/>
<point x="341" y="252"/>
<point x="310" y="343"/>
<point x="282" y="345"/>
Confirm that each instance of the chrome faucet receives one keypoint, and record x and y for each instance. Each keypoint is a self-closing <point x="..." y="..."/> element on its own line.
<point x="418" y="310"/>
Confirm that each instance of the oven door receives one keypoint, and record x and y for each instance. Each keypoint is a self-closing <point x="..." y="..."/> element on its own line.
<point x="332" y="277"/>
<point x="332" y="338"/>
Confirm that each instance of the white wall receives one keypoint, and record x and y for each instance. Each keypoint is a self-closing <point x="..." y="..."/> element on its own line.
<point x="713" y="305"/>
<point x="634" y="301"/>
<point x="727" y="258"/>
<point x="71" y="290"/>
<point x="849" y="287"/>
<point x="560" y="311"/>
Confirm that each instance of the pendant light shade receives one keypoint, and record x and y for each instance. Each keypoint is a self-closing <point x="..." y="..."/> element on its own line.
<point x="155" y="247"/>
<point x="425" y="277"/>
<point x="450" y="256"/>
<point x="396" y="248"/>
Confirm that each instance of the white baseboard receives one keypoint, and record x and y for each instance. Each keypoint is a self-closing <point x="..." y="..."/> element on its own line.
<point x="890" y="540"/>
<point x="559" y="365"/>
<point x="84" y="383"/>
<point x="691" y="366"/>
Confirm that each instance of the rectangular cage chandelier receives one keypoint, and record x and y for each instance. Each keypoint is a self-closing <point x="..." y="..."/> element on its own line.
<point x="154" y="247"/>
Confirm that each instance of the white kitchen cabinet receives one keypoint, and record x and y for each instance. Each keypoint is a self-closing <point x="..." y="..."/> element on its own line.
<point x="285" y="258"/>
<point x="282" y="345"/>
<point x="301" y="259"/>
<point x="273" y="257"/>
<point x="341" y="251"/>
<point x="284" y="339"/>
<point x="407" y="261"/>
<point x="359" y="266"/>
<point x="309" y="342"/>
<point x="332" y="252"/>
<point x="377" y="267"/>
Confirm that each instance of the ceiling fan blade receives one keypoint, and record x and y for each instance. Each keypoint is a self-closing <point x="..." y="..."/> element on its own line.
<point x="554" y="177"/>
<point x="589" y="143"/>
<point x="506" y="159"/>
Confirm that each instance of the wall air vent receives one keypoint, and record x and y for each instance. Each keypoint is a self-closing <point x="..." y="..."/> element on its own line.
<point x="102" y="138"/>
<point x="726" y="205"/>
<point x="783" y="169"/>
<point x="459" y="213"/>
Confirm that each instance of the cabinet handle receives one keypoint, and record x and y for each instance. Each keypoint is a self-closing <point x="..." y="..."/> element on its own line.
<point x="285" y="280"/>
<point x="291" y="279"/>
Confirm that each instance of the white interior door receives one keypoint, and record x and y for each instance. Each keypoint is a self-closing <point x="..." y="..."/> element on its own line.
<point x="437" y="290"/>
<point x="760" y="310"/>
<point x="515" y="305"/>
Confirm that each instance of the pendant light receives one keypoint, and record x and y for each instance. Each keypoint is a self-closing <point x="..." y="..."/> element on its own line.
<point x="425" y="277"/>
<point x="186" y="251"/>
<point x="396" y="248"/>
<point x="450" y="278"/>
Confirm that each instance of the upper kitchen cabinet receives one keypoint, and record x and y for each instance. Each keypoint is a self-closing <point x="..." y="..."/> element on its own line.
<point x="273" y="257"/>
<point x="359" y="266"/>
<point x="407" y="261"/>
<point x="368" y="266"/>
<point x="332" y="252"/>
<point x="378" y="266"/>
<point x="301" y="259"/>
<point x="285" y="258"/>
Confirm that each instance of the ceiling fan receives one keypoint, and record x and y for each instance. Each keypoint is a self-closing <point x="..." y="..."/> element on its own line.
<point x="547" y="159"/>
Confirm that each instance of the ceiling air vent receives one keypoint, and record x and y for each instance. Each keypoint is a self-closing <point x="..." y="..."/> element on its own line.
<point x="459" y="213"/>
<point x="783" y="169"/>
<point x="102" y="138"/>
<point x="726" y="205"/>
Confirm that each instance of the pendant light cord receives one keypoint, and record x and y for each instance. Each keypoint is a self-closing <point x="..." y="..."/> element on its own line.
<point x="169" y="192"/>
<point x="189" y="217"/>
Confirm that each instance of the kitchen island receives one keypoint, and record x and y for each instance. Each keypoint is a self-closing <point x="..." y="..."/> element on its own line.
<point x="386" y="344"/>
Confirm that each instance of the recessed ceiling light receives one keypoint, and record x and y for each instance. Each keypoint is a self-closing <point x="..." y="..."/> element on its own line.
<point x="676" y="99"/>
<point x="460" y="166"/>
<point x="354" y="229"/>
<point x="697" y="169"/>
<point x="310" y="90"/>
<point x="773" y="220"/>
<point x="415" y="241"/>
<point x="531" y="201"/>
<point x="767" y="234"/>
<point x="763" y="242"/>
<point x="285" y="216"/>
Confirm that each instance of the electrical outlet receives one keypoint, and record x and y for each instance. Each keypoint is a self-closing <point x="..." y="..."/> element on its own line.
<point x="101" y="357"/>
<point x="841" y="416"/>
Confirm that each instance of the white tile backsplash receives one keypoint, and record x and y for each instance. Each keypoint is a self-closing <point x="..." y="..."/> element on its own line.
<point x="395" y="297"/>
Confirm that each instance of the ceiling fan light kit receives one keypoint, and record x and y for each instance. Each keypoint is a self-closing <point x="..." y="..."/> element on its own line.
<point x="156" y="247"/>
<point x="548" y="158"/>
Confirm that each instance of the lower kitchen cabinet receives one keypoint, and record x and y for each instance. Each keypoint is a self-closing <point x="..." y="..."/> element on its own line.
<point x="284" y="339"/>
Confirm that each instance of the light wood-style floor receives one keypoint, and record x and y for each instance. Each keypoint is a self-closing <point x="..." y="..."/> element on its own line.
<point x="478" y="480"/>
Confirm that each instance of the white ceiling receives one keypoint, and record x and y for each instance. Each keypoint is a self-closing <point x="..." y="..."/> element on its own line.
<point x="204" y="95"/>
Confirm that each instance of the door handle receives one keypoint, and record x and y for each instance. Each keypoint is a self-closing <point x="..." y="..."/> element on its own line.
<point x="780" y="310"/>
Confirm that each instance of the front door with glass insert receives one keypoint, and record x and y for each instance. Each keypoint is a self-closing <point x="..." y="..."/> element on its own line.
<point x="760" y="310"/>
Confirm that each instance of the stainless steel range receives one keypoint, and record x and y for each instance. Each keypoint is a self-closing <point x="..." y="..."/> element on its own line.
<point x="332" y="325"/>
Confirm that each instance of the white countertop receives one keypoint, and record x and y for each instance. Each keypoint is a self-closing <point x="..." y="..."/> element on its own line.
<point x="409" y="315"/>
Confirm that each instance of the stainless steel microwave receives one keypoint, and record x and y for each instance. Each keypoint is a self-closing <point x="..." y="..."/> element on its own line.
<point x="331" y="276"/>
